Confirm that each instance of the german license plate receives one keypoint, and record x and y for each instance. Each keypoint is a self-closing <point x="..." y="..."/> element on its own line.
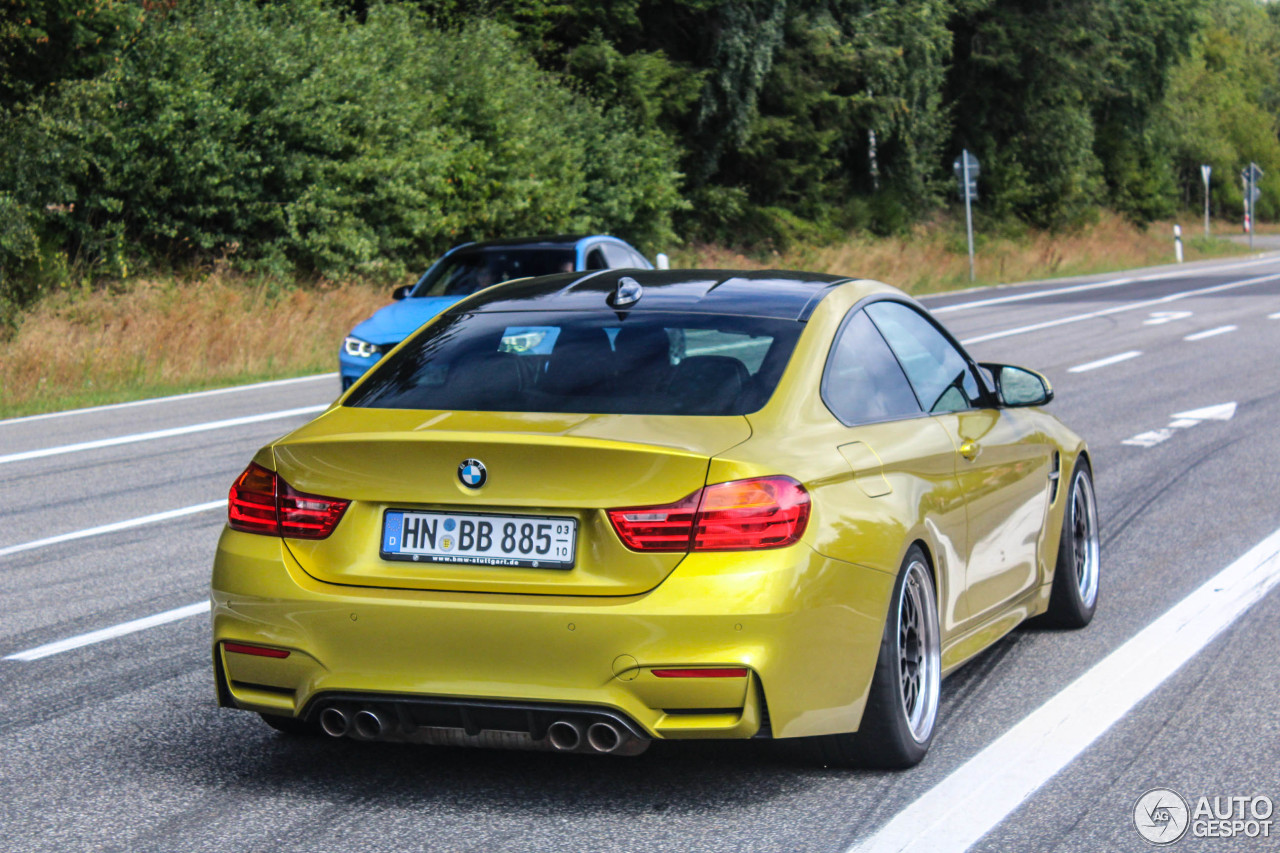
<point x="520" y="541"/>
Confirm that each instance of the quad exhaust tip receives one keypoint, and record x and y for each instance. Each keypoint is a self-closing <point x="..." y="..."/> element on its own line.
<point x="564" y="735"/>
<point x="600" y="736"/>
<point x="334" y="722"/>
<point x="368" y="724"/>
<point x="604" y="737"/>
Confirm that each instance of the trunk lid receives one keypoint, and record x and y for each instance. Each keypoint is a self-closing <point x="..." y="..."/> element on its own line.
<point x="539" y="466"/>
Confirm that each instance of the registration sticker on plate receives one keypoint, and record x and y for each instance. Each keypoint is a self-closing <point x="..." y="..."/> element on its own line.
<point x="521" y="541"/>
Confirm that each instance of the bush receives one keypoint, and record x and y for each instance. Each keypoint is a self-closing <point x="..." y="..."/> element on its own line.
<point x="295" y="139"/>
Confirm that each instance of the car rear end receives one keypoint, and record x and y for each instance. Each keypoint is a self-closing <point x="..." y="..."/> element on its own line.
<point x="520" y="531"/>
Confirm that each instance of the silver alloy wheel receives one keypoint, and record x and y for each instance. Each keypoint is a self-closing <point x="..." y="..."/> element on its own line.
<point x="1084" y="539"/>
<point x="919" y="651"/>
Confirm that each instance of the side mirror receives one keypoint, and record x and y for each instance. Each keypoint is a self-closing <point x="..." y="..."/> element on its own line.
<point x="661" y="261"/>
<point x="1018" y="386"/>
<point x="402" y="291"/>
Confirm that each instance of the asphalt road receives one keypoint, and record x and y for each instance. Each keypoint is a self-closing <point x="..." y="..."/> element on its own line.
<point x="117" y="744"/>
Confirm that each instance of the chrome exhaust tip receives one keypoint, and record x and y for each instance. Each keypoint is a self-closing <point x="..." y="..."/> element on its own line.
<point x="368" y="724"/>
<point x="564" y="735"/>
<point x="334" y="722"/>
<point x="604" y="737"/>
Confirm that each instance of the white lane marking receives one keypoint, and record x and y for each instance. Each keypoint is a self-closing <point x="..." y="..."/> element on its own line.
<point x="1090" y="286"/>
<point x="1159" y="318"/>
<point x="1117" y="309"/>
<point x="1020" y="297"/>
<point x="1209" y="333"/>
<point x="1275" y="316"/>
<point x="1149" y="439"/>
<point x="1103" y="362"/>
<point x="110" y="633"/>
<point x="275" y="383"/>
<point x="962" y="808"/>
<point x="1183" y="420"/>
<point x="1221" y="412"/>
<point x="160" y="433"/>
<point x="113" y="527"/>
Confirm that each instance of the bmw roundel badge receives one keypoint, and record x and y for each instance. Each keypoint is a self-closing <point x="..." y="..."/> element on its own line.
<point x="472" y="473"/>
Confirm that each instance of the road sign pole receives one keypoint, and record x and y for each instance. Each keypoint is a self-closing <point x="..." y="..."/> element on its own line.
<point x="1252" y="223"/>
<point x="968" y="209"/>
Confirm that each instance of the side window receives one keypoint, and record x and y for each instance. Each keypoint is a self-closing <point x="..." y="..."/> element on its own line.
<point x="638" y="260"/>
<point x="595" y="259"/>
<point x="863" y="382"/>
<point x="938" y="372"/>
<point x="617" y="256"/>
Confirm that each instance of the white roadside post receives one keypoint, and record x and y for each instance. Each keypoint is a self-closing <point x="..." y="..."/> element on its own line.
<point x="1251" y="193"/>
<point x="966" y="168"/>
<point x="1204" y="173"/>
<point x="1177" y="242"/>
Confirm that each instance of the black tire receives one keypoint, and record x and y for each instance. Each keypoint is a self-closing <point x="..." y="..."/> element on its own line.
<point x="289" y="725"/>
<point x="1074" y="597"/>
<point x="902" y="705"/>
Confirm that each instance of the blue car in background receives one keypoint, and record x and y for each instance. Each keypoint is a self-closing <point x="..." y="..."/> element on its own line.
<point x="470" y="267"/>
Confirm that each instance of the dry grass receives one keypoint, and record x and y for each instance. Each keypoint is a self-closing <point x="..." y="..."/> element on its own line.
<point x="163" y="337"/>
<point x="935" y="256"/>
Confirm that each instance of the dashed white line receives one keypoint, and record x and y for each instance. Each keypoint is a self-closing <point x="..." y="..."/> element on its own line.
<point x="1103" y="362"/>
<point x="194" y="395"/>
<point x="1275" y="316"/>
<point x="113" y="527"/>
<point x="957" y="812"/>
<point x="1209" y="333"/>
<point x="120" y="630"/>
<point x="157" y="434"/>
<point x="1132" y="306"/>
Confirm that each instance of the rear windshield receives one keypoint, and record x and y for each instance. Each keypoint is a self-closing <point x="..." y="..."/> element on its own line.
<point x="468" y="270"/>
<point x="586" y="362"/>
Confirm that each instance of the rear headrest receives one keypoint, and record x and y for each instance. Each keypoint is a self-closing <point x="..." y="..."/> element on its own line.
<point x="582" y="363"/>
<point x="708" y="383"/>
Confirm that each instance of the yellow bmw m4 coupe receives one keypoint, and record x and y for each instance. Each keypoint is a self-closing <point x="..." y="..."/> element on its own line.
<point x="585" y="512"/>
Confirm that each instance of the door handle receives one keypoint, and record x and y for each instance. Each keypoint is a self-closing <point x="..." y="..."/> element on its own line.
<point x="970" y="450"/>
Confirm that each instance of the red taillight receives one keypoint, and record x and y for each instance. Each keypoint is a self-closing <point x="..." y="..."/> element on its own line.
<point x="742" y="515"/>
<point x="262" y="502"/>
<point x="657" y="528"/>
<point x="257" y="651"/>
<point x="719" y="672"/>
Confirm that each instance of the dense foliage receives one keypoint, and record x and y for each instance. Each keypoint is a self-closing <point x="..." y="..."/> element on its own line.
<point x="365" y="136"/>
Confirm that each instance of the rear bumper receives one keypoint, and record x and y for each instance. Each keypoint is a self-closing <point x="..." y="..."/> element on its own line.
<point x="806" y="628"/>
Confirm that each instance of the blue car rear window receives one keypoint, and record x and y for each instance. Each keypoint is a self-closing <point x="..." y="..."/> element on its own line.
<point x="466" y="271"/>
<point x="586" y="362"/>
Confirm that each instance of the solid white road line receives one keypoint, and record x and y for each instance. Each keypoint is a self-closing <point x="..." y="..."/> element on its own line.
<point x="109" y="633"/>
<point x="1103" y="362"/>
<point x="113" y="527"/>
<point x="1209" y="333"/>
<point x="194" y="395"/>
<point x="958" y="811"/>
<point x="1118" y="309"/>
<point x="160" y="433"/>
<point x="1019" y="297"/>
<point x="1275" y="316"/>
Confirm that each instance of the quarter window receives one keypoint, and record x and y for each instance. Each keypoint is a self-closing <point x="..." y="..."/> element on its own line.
<point x="863" y="381"/>
<point x="938" y="372"/>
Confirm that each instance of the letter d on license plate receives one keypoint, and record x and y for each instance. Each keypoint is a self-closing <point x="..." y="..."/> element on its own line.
<point x="520" y="541"/>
